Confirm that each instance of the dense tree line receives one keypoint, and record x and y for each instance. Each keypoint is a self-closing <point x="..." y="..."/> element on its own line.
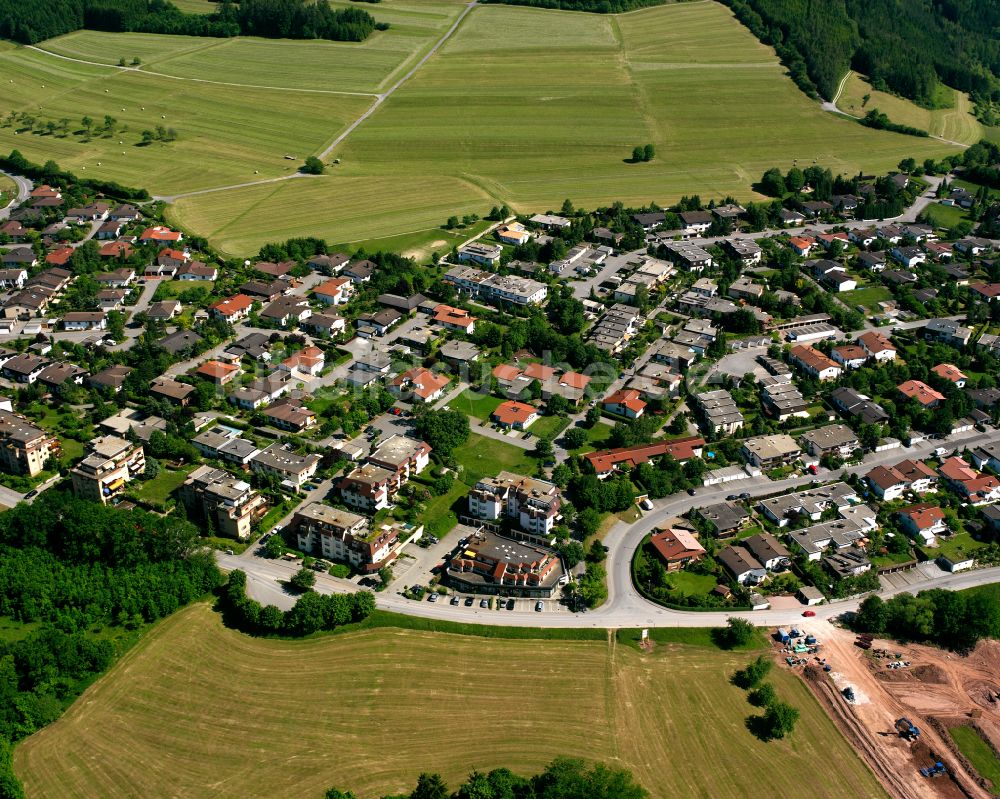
<point x="953" y="619"/>
<point x="53" y="175"/>
<point x="880" y="121"/>
<point x="563" y="778"/>
<point x="311" y="613"/>
<point x="69" y="566"/>
<point x="909" y="49"/>
<point x="595" y="6"/>
<point x="287" y="19"/>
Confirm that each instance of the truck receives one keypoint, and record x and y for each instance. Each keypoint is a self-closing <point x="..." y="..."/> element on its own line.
<point x="848" y="693"/>
<point x="936" y="769"/>
<point x="783" y="636"/>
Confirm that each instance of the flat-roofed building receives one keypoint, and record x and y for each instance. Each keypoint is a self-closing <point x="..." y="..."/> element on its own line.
<point x="369" y="487"/>
<point x="223" y="501"/>
<point x="109" y="464"/>
<point x="492" y="564"/>
<point x="834" y="439"/>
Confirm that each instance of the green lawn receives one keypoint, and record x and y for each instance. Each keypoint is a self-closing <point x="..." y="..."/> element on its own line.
<point x="663" y="75"/>
<point x="473" y="404"/>
<point x="596" y="437"/>
<point x="158" y="490"/>
<point x="957" y="547"/>
<point x="869" y="297"/>
<point x="418" y="244"/>
<point x="481" y="456"/>
<point x="945" y="216"/>
<point x="438" y="516"/>
<point x="691" y="584"/>
<point x="971" y="744"/>
<point x="549" y="426"/>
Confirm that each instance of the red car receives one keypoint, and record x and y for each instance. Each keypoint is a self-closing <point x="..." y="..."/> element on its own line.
<point x="808" y="612"/>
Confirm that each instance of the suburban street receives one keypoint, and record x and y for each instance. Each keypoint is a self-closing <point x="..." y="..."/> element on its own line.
<point x="625" y="607"/>
<point x="24" y="187"/>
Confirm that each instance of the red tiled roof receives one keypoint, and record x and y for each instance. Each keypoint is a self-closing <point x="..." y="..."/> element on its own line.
<point x="60" y="256"/>
<point x="681" y="449"/>
<point x="513" y="412"/>
<point x="539" y="371"/>
<point x="920" y="391"/>
<point x="675" y="544"/>
<point x="160" y="233"/>
<point x="506" y="371"/>
<point x="875" y="342"/>
<point x="949" y="372"/>
<point x="232" y="305"/>
<point x="627" y="398"/>
<point x="924" y="515"/>
<point x="574" y="380"/>
<point x="216" y="369"/>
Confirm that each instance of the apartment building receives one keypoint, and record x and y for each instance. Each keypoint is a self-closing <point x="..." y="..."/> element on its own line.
<point x="222" y="500"/>
<point x="530" y="503"/>
<point x="108" y="466"/>
<point x="344" y="536"/>
<point x="24" y="448"/>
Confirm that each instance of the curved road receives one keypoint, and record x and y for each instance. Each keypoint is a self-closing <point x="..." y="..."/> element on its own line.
<point x="625" y="607"/>
<point x="24" y="187"/>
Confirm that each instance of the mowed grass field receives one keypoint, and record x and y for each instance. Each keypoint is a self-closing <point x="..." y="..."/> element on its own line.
<point x="530" y="106"/>
<point x="313" y="65"/>
<point x="225" y="134"/>
<point x="955" y="124"/>
<point x="196" y="710"/>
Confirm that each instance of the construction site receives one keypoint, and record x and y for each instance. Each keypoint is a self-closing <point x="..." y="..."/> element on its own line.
<point x="901" y="704"/>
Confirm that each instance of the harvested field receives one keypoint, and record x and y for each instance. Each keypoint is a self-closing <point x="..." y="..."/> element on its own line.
<point x="197" y="710"/>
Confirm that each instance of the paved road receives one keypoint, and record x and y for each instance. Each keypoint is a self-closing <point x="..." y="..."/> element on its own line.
<point x="625" y="606"/>
<point x="24" y="187"/>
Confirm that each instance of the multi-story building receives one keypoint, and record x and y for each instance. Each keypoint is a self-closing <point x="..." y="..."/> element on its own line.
<point x="341" y="535"/>
<point x="24" y="448"/>
<point x="721" y="413"/>
<point x="111" y="462"/>
<point x="491" y="564"/>
<point x="368" y="487"/>
<point x="530" y="503"/>
<point x="402" y="455"/>
<point x="227" y="502"/>
<point x="770" y="451"/>
<point x="497" y="288"/>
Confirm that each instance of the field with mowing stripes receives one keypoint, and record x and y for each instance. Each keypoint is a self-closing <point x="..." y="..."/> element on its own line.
<point x="529" y="106"/>
<point x="955" y="124"/>
<point x="196" y="710"/>
<point x="225" y="134"/>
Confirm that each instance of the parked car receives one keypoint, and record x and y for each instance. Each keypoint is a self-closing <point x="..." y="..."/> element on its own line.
<point x="809" y="613"/>
<point x="510" y="604"/>
<point x="469" y="601"/>
<point x="484" y="603"/>
<point x="32" y="493"/>
<point x="539" y="607"/>
<point x="691" y="492"/>
<point x="646" y="504"/>
<point x="433" y="598"/>
<point x="455" y="600"/>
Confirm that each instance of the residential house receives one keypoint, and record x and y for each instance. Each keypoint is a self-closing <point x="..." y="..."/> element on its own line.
<point x="336" y="291"/>
<point x="360" y="271"/>
<point x="217" y="372"/>
<point x="163" y="311"/>
<point x="158" y="233"/>
<point x="280" y="460"/>
<point x="744" y="567"/>
<point x="877" y="346"/>
<point x="921" y="392"/>
<point x="513" y="415"/>
<point x="285" y="310"/>
<point x="232" y="309"/>
<point x="111" y="378"/>
<point x="422" y="384"/>
<point x="975" y="487"/>
<point x="324" y="324"/>
<point x="291" y="415"/>
<point x="770" y="451"/>
<point x="197" y="271"/>
<point x="850" y="356"/>
<point x="814" y="362"/>
<point x="726" y="518"/>
<point x="309" y="361"/>
<point x="606" y="462"/>
<point x="676" y="547"/>
<point x="378" y="323"/>
<point x="454" y="319"/>
<point x="924" y="522"/>
<point x="169" y="389"/>
<point x="951" y="373"/>
<point x="625" y="402"/>
<point x="85" y="320"/>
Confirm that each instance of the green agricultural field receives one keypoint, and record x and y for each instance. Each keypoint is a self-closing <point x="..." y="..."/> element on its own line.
<point x="971" y="744"/>
<point x="225" y="134"/>
<point x="530" y="106"/>
<point x="955" y="123"/>
<point x="197" y="710"/>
